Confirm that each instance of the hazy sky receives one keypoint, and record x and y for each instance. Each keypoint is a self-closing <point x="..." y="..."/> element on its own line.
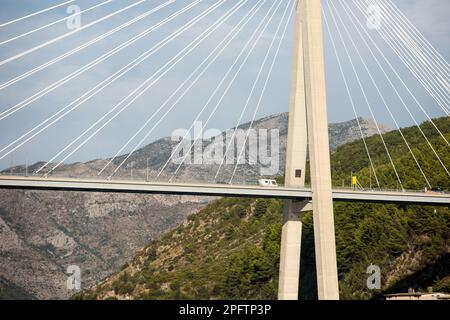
<point x="430" y="17"/>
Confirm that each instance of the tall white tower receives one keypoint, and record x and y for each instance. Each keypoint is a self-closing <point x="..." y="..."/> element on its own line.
<point x="308" y="123"/>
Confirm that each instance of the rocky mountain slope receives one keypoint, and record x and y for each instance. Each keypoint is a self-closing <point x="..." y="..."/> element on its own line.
<point x="42" y="232"/>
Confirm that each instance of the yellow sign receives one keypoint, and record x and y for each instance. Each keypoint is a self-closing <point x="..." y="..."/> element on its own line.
<point x="354" y="181"/>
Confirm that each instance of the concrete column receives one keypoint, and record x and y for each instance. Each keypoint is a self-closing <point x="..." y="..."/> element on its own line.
<point x="291" y="236"/>
<point x="319" y="151"/>
<point x="294" y="174"/>
<point x="297" y="139"/>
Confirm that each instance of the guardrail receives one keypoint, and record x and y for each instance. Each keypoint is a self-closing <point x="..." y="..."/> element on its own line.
<point x="140" y="179"/>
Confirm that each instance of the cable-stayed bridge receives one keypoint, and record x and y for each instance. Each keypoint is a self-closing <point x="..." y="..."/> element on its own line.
<point x="298" y="194"/>
<point x="375" y="50"/>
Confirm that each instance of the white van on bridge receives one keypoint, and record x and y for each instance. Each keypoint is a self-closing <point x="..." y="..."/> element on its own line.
<point x="267" y="183"/>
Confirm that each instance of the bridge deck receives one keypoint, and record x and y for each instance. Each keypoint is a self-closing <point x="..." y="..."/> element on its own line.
<point x="222" y="190"/>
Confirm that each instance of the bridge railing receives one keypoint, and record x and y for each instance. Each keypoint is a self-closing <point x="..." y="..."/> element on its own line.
<point x="142" y="179"/>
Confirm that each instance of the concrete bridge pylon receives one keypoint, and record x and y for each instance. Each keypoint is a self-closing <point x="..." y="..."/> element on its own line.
<point x="308" y="125"/>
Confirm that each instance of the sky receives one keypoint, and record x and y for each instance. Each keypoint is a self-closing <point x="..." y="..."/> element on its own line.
<point x="430" y="17"/>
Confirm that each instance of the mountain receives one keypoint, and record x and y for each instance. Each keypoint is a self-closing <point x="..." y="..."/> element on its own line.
<point x="158" y="152"/>
<point x="230" y="248"/>
<point x="44" y="232"/>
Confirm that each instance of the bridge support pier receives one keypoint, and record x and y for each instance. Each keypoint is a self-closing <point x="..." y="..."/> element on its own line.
<point x="290" y="249"/>
<point x="319" y="151"/>
<point x="308" y="122"/>
<point x="294" y="175"/>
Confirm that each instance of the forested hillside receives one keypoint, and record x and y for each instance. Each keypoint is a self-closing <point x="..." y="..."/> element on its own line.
<point x="230" y="249"/>
<point x="352" y="157"/>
